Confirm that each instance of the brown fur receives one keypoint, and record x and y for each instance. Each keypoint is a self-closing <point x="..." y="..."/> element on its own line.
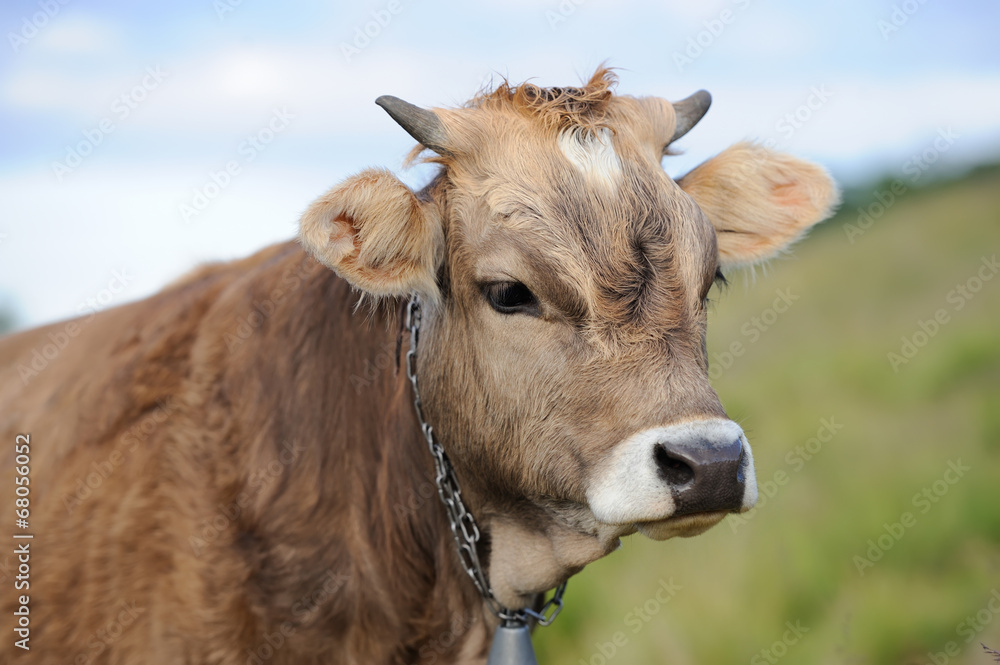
<point x="238" y="456"/>
<point x="200" y="423"/>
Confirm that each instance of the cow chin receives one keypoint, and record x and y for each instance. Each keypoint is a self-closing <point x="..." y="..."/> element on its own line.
<point x="680" y="527"/>
<point x="525" y="562"/>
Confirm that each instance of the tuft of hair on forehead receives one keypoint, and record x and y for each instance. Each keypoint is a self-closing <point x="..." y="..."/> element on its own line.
<point x="583" y="107"/>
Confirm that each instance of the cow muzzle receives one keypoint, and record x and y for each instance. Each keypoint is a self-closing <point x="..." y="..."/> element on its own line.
<point x="676" y="480"/>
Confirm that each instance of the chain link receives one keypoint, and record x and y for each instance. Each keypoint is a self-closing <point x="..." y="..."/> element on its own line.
<point x="463" y="525"/>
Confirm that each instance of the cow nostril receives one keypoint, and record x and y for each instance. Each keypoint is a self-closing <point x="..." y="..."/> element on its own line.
<point x="674" y="470"/>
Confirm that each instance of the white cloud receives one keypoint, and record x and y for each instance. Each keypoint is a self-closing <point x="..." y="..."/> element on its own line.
<point x="245" y="74"/>
<point x="109" y="216"/>
<point x="865" y="123"/>
<point x="204" y="92"/>
<point x="120" y="208"/>
<point x="127" y="218"/>
<point x="78" y="35"/>
<point x="38" y="88"/>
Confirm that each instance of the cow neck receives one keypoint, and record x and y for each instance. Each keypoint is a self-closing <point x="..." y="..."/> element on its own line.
<point x="463" y="524"/>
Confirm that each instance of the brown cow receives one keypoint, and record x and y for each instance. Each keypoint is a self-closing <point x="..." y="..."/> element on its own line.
<point x="232" y="471"/>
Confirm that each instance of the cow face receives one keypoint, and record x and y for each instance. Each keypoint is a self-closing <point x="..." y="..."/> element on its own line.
<point x="564" y="277"/>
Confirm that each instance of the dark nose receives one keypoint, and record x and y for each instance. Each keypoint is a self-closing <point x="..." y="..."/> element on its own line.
<point x="703" y="475"/>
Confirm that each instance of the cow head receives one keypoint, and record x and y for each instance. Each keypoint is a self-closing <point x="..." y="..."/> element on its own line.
<point x="564" y="277"/>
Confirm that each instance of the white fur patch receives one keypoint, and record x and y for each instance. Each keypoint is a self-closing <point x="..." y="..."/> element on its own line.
<point x="627" y="488"/>
<point x="593" y="154"/>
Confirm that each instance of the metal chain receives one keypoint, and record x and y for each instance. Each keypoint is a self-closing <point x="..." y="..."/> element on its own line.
<point x="463" y="524"/>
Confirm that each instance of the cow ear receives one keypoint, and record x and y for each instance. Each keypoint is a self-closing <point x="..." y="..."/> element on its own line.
<point x="373" y="232"/>
<point x="759" y="201"/>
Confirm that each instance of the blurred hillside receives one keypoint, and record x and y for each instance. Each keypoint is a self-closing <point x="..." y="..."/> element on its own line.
<point x="7" y="318"/>
<point x="873" y="406"/>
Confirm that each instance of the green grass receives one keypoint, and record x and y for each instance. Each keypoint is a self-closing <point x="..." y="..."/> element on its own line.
<point x="794" y="559"/>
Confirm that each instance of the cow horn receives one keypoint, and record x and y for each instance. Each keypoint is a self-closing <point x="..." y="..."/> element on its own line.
<point x="689" y="111"/>
<point x="421" y="124"/>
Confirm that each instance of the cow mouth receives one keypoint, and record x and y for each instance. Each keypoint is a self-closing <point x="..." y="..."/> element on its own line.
<point x="683" y="527"/>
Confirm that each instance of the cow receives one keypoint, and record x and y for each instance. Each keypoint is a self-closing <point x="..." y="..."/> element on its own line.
<point x="234" y="470"/>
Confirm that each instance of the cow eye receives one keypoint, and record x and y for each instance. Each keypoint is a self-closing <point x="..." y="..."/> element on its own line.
<point x="510" y="298"/>
<point x="720" y="280"/>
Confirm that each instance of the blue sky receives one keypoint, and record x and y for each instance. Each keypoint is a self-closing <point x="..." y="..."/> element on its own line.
<point x="163" y="97"/>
